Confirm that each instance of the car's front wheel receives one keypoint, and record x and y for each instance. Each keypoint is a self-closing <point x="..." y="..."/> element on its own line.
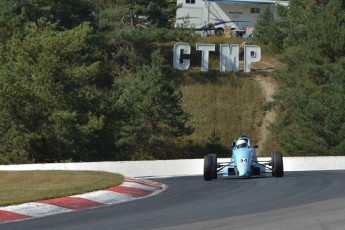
<point x="208" y="167"/>
<point x="214" y="165"/>
<point x="277" y="164"/>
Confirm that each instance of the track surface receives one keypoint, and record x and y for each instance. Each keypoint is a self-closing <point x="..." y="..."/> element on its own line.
<point x="300" y="200"/>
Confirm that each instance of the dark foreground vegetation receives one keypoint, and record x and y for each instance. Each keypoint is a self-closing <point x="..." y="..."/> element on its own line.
<point x="90" y="80"/>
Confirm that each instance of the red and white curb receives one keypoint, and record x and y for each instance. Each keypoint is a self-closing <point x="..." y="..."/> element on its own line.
<point x="129" y="190"/>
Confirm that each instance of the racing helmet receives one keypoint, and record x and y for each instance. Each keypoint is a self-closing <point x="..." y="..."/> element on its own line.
<point x="241" y="143"/>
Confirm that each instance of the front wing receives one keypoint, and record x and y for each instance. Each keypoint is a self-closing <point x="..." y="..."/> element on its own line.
<point x="257" y="168"/>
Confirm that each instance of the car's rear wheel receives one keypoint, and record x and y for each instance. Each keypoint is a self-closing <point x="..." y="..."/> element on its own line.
<point x="208" y="167"/>
<point x="277" y="164"/>
<point x="214" y="165"/>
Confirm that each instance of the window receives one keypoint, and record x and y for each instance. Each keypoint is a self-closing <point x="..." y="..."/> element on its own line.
<point x="190" y="1"/>
<point x="254" y="10"/>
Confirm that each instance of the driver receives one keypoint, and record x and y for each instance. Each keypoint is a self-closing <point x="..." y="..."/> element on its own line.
<point x="245" y="138"/>
<point x="241" y="144"/>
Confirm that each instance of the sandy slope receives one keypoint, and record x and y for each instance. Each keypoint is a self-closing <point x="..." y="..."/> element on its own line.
<point x="262" y="74"/>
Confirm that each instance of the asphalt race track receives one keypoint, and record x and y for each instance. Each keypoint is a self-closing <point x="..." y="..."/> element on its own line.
<point x="300" y="200"/>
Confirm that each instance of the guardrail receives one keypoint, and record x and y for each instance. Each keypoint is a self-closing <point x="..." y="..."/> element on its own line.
<point x="172" y="168"/>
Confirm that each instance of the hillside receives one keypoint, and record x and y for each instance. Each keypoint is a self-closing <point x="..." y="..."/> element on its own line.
<point x="224" y="106"/>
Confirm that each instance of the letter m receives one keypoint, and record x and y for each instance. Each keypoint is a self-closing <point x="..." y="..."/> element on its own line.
<point x="229" y="57"/>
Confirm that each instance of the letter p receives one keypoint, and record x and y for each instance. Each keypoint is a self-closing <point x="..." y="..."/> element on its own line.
<point x="252" y="53"/>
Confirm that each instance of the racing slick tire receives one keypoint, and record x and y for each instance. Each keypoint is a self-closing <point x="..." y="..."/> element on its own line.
<point x="208" y="167"/>
<point x="214" y="165"/>
<point x="277" y="164"/>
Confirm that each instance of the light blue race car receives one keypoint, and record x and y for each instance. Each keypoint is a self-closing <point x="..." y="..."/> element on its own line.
<point x="243" y="163"/>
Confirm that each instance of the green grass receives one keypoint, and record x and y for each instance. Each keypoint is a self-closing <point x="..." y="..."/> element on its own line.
<point x="25" y="186"/>
<point x="223" y="109"/>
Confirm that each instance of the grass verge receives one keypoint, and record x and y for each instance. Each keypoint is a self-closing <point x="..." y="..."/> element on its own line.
<point x="25" y="186"/>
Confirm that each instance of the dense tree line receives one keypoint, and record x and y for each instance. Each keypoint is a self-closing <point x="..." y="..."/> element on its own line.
<point x="86" y="80"/>
<point x="311" y="99"/>
<point x="80" y="80"/>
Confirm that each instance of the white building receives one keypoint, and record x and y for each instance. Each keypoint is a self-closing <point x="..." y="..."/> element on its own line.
<point x="218" y="14"/>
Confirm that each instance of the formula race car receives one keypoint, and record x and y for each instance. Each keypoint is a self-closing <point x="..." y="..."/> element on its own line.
<point x="243" y="163"/>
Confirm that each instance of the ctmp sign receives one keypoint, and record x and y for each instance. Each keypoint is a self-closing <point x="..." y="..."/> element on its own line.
<point x="229" y="56"/>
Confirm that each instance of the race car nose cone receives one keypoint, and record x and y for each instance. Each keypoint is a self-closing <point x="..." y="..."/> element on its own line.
<point x="244" y="173"/>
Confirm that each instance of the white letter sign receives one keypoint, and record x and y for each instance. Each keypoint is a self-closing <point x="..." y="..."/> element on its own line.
<point x="177" y="56"/>
<point x="205" y="48"/>
<point x="229" y="58"/>
<point x="252" y="53"/>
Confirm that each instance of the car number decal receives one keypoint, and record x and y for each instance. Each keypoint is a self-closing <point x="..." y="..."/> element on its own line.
<point x="244" y="160"/>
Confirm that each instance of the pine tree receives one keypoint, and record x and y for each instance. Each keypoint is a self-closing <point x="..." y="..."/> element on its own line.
<point x="155" y="113"/>
<point x="51" y="106"/>
<point x="64" y="68"/>
<point x="269" y="31"/>
<point x="310" y="118"/>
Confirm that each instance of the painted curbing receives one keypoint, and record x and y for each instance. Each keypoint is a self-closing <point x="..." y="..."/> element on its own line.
<point x="130" y="189"/>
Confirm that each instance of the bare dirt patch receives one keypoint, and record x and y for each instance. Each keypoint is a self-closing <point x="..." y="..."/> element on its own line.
<point x="263" y="75"/>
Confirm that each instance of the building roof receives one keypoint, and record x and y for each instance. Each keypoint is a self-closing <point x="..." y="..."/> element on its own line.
<point x="267" y="2"/>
